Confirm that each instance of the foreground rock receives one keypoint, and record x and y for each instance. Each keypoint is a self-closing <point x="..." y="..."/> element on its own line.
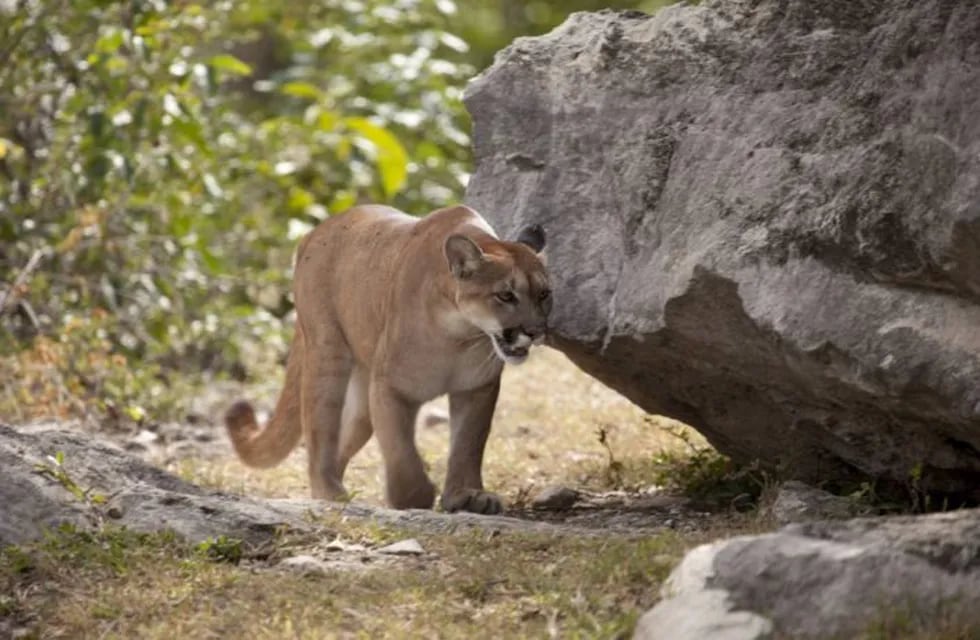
<point x="828" y="580"/>
<point x="763" y="220"/>
<point x="799" y="502"/>
<point x="40" y="494"/>
<point x="97" y="482"/>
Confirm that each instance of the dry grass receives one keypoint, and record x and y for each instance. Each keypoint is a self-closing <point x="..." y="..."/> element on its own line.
<point x="474" y="584"/>
<point x="554" y="425"/>
<point x="513" y="585"/>
<point x="546" y="431"/>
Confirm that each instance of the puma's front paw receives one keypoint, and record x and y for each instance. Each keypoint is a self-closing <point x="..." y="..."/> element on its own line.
<point x="418" y="494"/>
<point x="472" y="500"/>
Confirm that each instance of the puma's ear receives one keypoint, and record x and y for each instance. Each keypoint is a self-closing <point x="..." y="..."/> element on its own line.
<point x="533" y="236"/>
<point x="463" y="255"/>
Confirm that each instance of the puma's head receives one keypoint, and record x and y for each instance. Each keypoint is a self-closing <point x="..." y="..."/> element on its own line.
<point x="502" y="288"/>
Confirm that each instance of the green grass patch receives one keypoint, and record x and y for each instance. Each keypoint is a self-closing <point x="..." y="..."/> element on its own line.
<point x="121" y="584"/>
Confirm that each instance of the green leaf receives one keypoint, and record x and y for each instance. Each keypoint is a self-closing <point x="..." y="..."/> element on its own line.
<point x="327" y="120"/>
<point x="300" y="199"/>
<point x="180" y="225"/>
<point x="390" y="155"/>
<point x="110" y="42"/>
<point x="301" y="90"/>
<point x="342" y="201"/>
<point x="230" y="64"/>
<point x="192" y="132"/>
<point x="213" y="263"/>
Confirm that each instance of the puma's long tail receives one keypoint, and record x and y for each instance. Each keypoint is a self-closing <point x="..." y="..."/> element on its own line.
<point x="267" y="446"/>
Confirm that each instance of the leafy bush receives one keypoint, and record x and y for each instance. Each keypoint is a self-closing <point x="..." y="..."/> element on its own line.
<point x="158" y="161"/>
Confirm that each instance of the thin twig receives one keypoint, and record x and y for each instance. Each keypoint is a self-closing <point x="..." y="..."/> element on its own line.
<point x="21" y="277"/>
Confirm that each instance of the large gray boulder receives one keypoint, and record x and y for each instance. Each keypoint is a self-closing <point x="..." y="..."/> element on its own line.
<point x="763" y="220"/>
<point x="894" y="577"/>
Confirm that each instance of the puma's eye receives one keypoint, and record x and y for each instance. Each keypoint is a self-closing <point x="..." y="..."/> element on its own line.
<point x="506" y="296"/>
<point x="544" y="295"/>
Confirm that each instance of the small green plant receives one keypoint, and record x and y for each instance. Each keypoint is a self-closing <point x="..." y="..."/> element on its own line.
<point x="920" y="500"/>
<point x="16" y="560"/>
<point x="705" y="474"/>
<point x="614" y="468"/>
<point x="866" y="493"/>
<point x="221" y="549"/>
<point x="55" y="468"/>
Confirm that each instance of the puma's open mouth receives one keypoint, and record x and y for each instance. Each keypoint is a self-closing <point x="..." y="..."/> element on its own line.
<point x="509" y="350"/>
<point x="511" y="345"/>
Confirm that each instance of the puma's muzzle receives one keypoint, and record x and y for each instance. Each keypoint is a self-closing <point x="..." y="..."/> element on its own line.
<point x="514" y="343"/>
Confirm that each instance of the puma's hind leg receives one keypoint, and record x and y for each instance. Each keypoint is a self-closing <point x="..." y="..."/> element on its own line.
<point x="327" y="366"/>
<point x="355" y="428"/>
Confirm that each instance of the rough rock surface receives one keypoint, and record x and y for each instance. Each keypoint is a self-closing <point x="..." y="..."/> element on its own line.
<point x="763" y="220"/>
<point x="136" y="495"/>
<point x="799" y="502"/>
<point x="827" y="580"/>
<point x="144" y="498"/>
<point x="557" y="498"/>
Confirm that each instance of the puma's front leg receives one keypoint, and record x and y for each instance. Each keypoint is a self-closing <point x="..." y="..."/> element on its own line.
<point x="406" y="484"/>
<point x="471" y="413"/>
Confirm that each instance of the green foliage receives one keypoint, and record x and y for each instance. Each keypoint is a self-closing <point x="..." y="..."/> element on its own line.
<point x="162" y="159"/>
<point x="159" y="160"/>
<point x="55" y="468"/>
<point x="66" y="546"/>
<point x="491" y="25"/>
<point x="220" y="549"/>
<point x="704" y="474"/>
<point x="15" y="559"/>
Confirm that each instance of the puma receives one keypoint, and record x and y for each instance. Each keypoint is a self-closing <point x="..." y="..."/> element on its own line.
<point x="393" y="311"/>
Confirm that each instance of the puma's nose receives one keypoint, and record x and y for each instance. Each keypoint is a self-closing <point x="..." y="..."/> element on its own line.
<point x="534" y="333"/>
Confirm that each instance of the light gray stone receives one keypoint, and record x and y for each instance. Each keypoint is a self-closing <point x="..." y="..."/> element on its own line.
<point x="555" y="498"/>
<point x="136" y="495"/>
<point x="303" y="564"/>
<point x="799" y="502"/>
<point x="826" y="580"/>
<point x="763" y="219"/>
<point x="409" y="547"/>
<point x="341" y="545"/>
<point x="692" y="610"/>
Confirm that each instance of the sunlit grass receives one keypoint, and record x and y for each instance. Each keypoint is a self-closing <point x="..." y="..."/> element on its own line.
<point x="123" y="585"/>
<point x="546" y="431"/>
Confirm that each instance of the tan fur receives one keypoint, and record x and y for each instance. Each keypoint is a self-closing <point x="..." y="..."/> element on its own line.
<point x="393" y="311"/>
